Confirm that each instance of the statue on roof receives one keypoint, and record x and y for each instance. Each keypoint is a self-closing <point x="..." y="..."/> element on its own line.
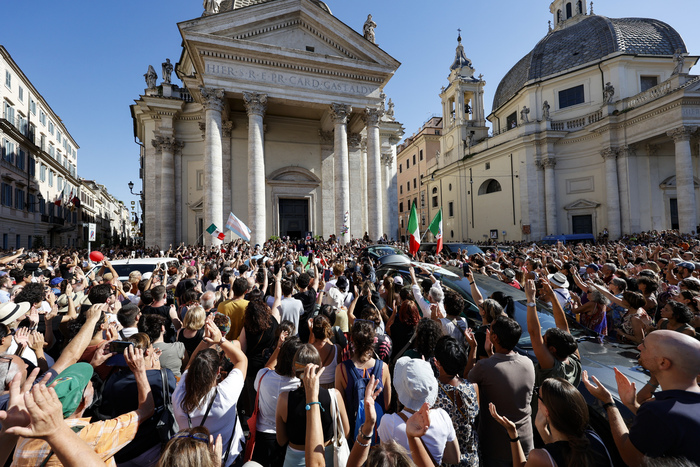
<point x="211" y="7"/>
<point x="368" y="29"/>
<point x="167" y="70"/>
<point x="151" y="77"/>
<point x="390" y="110"/>
<point x="680" y="61"/>
<point x="608" y="93"/>
<point x="524" y="115"/>
<point x="545" y="110"/>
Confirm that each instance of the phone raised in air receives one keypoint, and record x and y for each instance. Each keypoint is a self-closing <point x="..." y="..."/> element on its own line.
<point x="118" y="347"/>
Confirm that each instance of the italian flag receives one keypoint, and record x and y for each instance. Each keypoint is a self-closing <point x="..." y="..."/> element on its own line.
<point x="436" y="228"/>
<point x="413" y="234"/>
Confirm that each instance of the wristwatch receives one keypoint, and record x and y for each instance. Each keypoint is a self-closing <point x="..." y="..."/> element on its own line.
<point x="223" y="339"/>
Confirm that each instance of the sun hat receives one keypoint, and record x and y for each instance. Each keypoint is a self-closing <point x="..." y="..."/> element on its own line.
<point x="509" y="273"/>
<point x="71" y="384"/>
<point x="11" y="311"/>
<point x="558" y="279"/>
<point x="415" y="383"/>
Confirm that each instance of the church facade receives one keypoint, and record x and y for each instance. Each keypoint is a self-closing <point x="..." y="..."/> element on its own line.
<point x="596" y="128"/>
<point x="281" y="119"/>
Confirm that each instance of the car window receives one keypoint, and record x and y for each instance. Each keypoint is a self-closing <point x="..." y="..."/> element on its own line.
<point x="125" y="269"/>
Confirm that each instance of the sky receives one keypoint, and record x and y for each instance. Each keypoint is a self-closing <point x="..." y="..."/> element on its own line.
<point x="87" y="58"/>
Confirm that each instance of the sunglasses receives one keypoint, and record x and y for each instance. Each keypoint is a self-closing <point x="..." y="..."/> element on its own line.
<point x="196" y="436"/>
<point x="537" y="391"/>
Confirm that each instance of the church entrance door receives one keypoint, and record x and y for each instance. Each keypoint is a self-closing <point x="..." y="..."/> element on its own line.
<point x="294" y="217"/>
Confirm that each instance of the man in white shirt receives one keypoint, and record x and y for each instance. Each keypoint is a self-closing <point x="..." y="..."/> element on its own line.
<point x="290" y="308"/>
<point x="435" y="296"/>
<point x="5" y="288"/>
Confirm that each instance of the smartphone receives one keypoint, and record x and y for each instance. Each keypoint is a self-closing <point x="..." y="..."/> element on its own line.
<point x="119" y="346"/>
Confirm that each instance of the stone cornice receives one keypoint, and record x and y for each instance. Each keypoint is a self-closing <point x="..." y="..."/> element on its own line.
<point x="255" y="103"/>
<point x="290" y="66"/>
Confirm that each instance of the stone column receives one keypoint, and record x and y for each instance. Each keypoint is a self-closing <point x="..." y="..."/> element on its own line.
<point x="340" y="114"/>
<point x="374" y="175"/>
<point x="550" y="194"/>
<point x="213" y="102"/>
<point x="685" y="185"/>
<point x="612" y="191"/>
<point x="165" y="144"/>
<point x="623" y="185"/>
<point x="227" y="129"/>
<point x="389" y="200"/>
<point x="365" y="200"/>
<point x="327" y="187"/>
<point x="157" y="184"/>
<point x="256" y="105"/>
<point x="177" y="152"/>
<point x="355" y="166"/>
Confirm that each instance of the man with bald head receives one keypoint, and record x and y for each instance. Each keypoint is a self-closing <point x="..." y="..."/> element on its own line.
<point x="668" y="423"/>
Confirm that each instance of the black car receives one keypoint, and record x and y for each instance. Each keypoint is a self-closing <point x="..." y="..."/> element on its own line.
<point x="449" y="248"/>
<point x="376" y="252"/>
<point x="599" y="355"/>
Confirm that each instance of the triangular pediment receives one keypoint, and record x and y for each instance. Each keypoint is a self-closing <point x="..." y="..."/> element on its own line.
<point x="293" y="30"/>
<point x="582" y="204"/>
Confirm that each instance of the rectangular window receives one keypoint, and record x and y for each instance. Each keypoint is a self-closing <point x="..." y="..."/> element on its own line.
<point x="42" y="173"/>
<point x="451" y="209"/>
<point x="42" y="206"/>
<point x="20" y="92"/>
<point x="9" y="155"/>
<point x="9" y="113"/>
<point x="511" y="121"/>
<point x="58" y="137"/>
<point x="31" y="204"/>
<point x="52" y="150"/>
<point x="50" y="177"/>
<point x="18" y="241"/>
<point x="32" y="167"/>
<point x="42" y="142"/>
<point x="435" y="201"/>
<point x="4" y="242"/>
<point x="408" y="186"/>
<point x="19" y="198"/>
<point x="414" y="159"/>
<point x="29" y="242"/>
<point x="21" y="156"/>
<point x="420" y="154"/>
<point x="6" y="195"/>
<point x="42" y="118"/>
<point x="59" y="183"/>
<point x="401" y="190"/>
<point x="51" y="127"/>
<point x="8" y="82"/>
<point x="401" y="169"/>
<point x="648" y="82"/>
<point x="32" y="106"/>
<point x="400" y="207"/>
<point x="571" y="96"/>
<point x="414" y="184"/>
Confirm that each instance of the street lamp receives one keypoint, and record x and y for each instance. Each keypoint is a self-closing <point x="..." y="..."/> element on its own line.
<point x="39" y="199"/>
<point x="131" y="189"/>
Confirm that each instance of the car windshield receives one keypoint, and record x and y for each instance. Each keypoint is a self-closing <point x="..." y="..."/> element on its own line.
<point x="123" y="270"/>
<point x="487" y="286"/>
<point x="380" y="251"/>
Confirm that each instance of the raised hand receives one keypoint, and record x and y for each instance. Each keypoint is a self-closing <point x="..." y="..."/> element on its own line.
<point x="596" y="389"/>
<point x="417" y="425"/>
<point x="503" y="421"/>
<point x="44" y="411"/>
<point x="626" y="390"/>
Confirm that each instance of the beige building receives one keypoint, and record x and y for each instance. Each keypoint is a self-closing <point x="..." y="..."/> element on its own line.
<point x="281" y="120"/>
<point x="38" y="166"/>
<point x="415" y="155"/>
<point x="595" y="128"/>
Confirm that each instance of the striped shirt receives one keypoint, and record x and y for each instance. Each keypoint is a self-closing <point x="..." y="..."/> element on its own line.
<point x="106" y="438"/>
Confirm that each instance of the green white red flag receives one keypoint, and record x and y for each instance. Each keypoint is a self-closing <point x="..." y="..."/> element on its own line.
<point x="413" y="234"/>
<point x="436" y="228"/>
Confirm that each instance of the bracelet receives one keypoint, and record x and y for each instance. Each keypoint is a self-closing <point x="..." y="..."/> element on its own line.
<point x="655" y="386"/>
<point x="357" y="440"/>
<point x="361" y="434"/>
<point x="515" y="440"/>
<point x="609" y="404"/>
<point x="532" y="304"/>
<point x="308" y="406"/>
<point x="471" y="283"/>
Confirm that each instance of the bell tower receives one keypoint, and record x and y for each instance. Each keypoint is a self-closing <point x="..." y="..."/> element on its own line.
<point x="463" y="102"/>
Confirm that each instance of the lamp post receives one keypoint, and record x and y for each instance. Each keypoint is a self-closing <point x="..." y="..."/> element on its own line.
<point x="139" y="194"/>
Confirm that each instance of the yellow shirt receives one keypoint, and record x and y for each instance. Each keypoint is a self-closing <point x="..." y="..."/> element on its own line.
<point x="235" y="310"/>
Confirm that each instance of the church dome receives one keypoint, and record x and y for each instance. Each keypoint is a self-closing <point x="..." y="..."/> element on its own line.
<point x="586" y="42"/>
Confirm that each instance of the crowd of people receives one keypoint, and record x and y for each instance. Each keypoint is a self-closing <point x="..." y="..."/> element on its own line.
<point x="298" y="353"/>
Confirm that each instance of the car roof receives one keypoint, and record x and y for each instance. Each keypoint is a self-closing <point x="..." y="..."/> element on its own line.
<point x="143" y="261"/>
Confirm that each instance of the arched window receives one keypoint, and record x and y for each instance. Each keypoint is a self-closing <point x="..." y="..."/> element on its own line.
<point x="568" y="11"/>
<point x="579" y="7"/>
<point x="434" y="191"/>
<point x="489" y="186"/>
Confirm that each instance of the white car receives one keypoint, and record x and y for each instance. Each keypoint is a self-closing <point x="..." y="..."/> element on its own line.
<point x="143" y="265"/>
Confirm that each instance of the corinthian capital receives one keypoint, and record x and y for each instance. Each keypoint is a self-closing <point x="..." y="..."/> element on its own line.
<point x="388" y="159"/>
<point x="682" y="133"/>
<point x="340" y="113"/>
<point x="326" y="137"/>
<point x="628" y="151"/>
<point x="212" y="99"/>
<point x="255" y="103"/>
<point x="609" y="153"/>
<point x="354" y="140"/>
<point x="372" y="116"/>
<point x="227" y="127"/>
<point x="158" y="142"/>
<point x="549" y="162"/>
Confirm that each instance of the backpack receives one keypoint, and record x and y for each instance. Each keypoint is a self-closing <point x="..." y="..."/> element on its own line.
<point x="355" y="396"/>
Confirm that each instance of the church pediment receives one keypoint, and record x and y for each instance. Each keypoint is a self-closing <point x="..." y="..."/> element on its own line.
<point x="581" y="204"/>
<point x="670" y="183"/>
<point x="283" y="31"/>
<point x="293" y="176"/>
